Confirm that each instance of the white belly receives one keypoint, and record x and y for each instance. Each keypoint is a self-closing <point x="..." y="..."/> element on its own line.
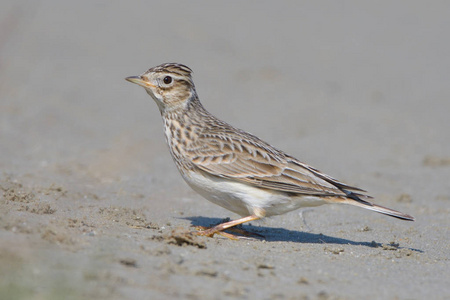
<point x="244" y="199"/>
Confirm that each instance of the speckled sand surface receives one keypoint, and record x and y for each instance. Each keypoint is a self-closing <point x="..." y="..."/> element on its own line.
<point x="92" y="206"/>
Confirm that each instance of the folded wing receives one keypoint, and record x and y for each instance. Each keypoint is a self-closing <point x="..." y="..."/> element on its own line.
<point x="257" y="163"/>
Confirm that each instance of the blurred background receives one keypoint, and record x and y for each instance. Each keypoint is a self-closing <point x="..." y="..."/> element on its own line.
<point x="359" y="90"/>
<point x="371" y="75"/>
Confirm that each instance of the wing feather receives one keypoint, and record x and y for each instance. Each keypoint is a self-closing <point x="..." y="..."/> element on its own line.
<point x="252" y="161"/>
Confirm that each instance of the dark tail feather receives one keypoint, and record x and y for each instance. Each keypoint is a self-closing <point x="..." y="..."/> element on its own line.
<point x="388" y="211"/>
<point x="360" y="200"/>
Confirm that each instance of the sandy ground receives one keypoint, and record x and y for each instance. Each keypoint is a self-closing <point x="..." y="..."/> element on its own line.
<point x="92" y="206"/>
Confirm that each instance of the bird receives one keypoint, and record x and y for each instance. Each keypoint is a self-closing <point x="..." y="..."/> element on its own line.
<point x="233" y="168"/>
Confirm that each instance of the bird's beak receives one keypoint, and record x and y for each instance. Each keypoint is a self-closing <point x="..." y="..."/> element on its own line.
<point x="139" y="80"/>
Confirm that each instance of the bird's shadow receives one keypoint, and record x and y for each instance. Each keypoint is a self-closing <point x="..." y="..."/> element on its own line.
<point x="272" y="234"/>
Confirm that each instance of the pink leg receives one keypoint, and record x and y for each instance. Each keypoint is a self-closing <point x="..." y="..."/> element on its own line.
<point x="219" y="229"/>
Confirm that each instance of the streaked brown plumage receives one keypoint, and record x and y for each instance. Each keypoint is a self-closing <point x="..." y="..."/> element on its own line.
<point x="233" y="168"/>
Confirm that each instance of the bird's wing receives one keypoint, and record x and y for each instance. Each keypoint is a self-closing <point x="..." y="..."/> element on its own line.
<point x="252" y="161"/>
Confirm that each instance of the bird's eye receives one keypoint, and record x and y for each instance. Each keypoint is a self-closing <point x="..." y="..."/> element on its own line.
<point x="167" y="80"/>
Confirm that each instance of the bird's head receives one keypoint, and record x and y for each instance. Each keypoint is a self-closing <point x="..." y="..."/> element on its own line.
<point x="170" y="85"/>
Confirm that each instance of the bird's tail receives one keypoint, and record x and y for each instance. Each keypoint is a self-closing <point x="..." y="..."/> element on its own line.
<point x="384" y="210"/>
<point x="362" y="201"/>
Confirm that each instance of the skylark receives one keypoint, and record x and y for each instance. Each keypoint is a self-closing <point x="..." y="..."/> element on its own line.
<point x="233" y="168"/>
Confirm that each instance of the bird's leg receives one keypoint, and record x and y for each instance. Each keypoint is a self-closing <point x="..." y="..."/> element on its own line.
<point x="219" y="229"/>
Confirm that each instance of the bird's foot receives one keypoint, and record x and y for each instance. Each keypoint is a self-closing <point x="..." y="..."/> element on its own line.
<point x="242" y="233"/>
